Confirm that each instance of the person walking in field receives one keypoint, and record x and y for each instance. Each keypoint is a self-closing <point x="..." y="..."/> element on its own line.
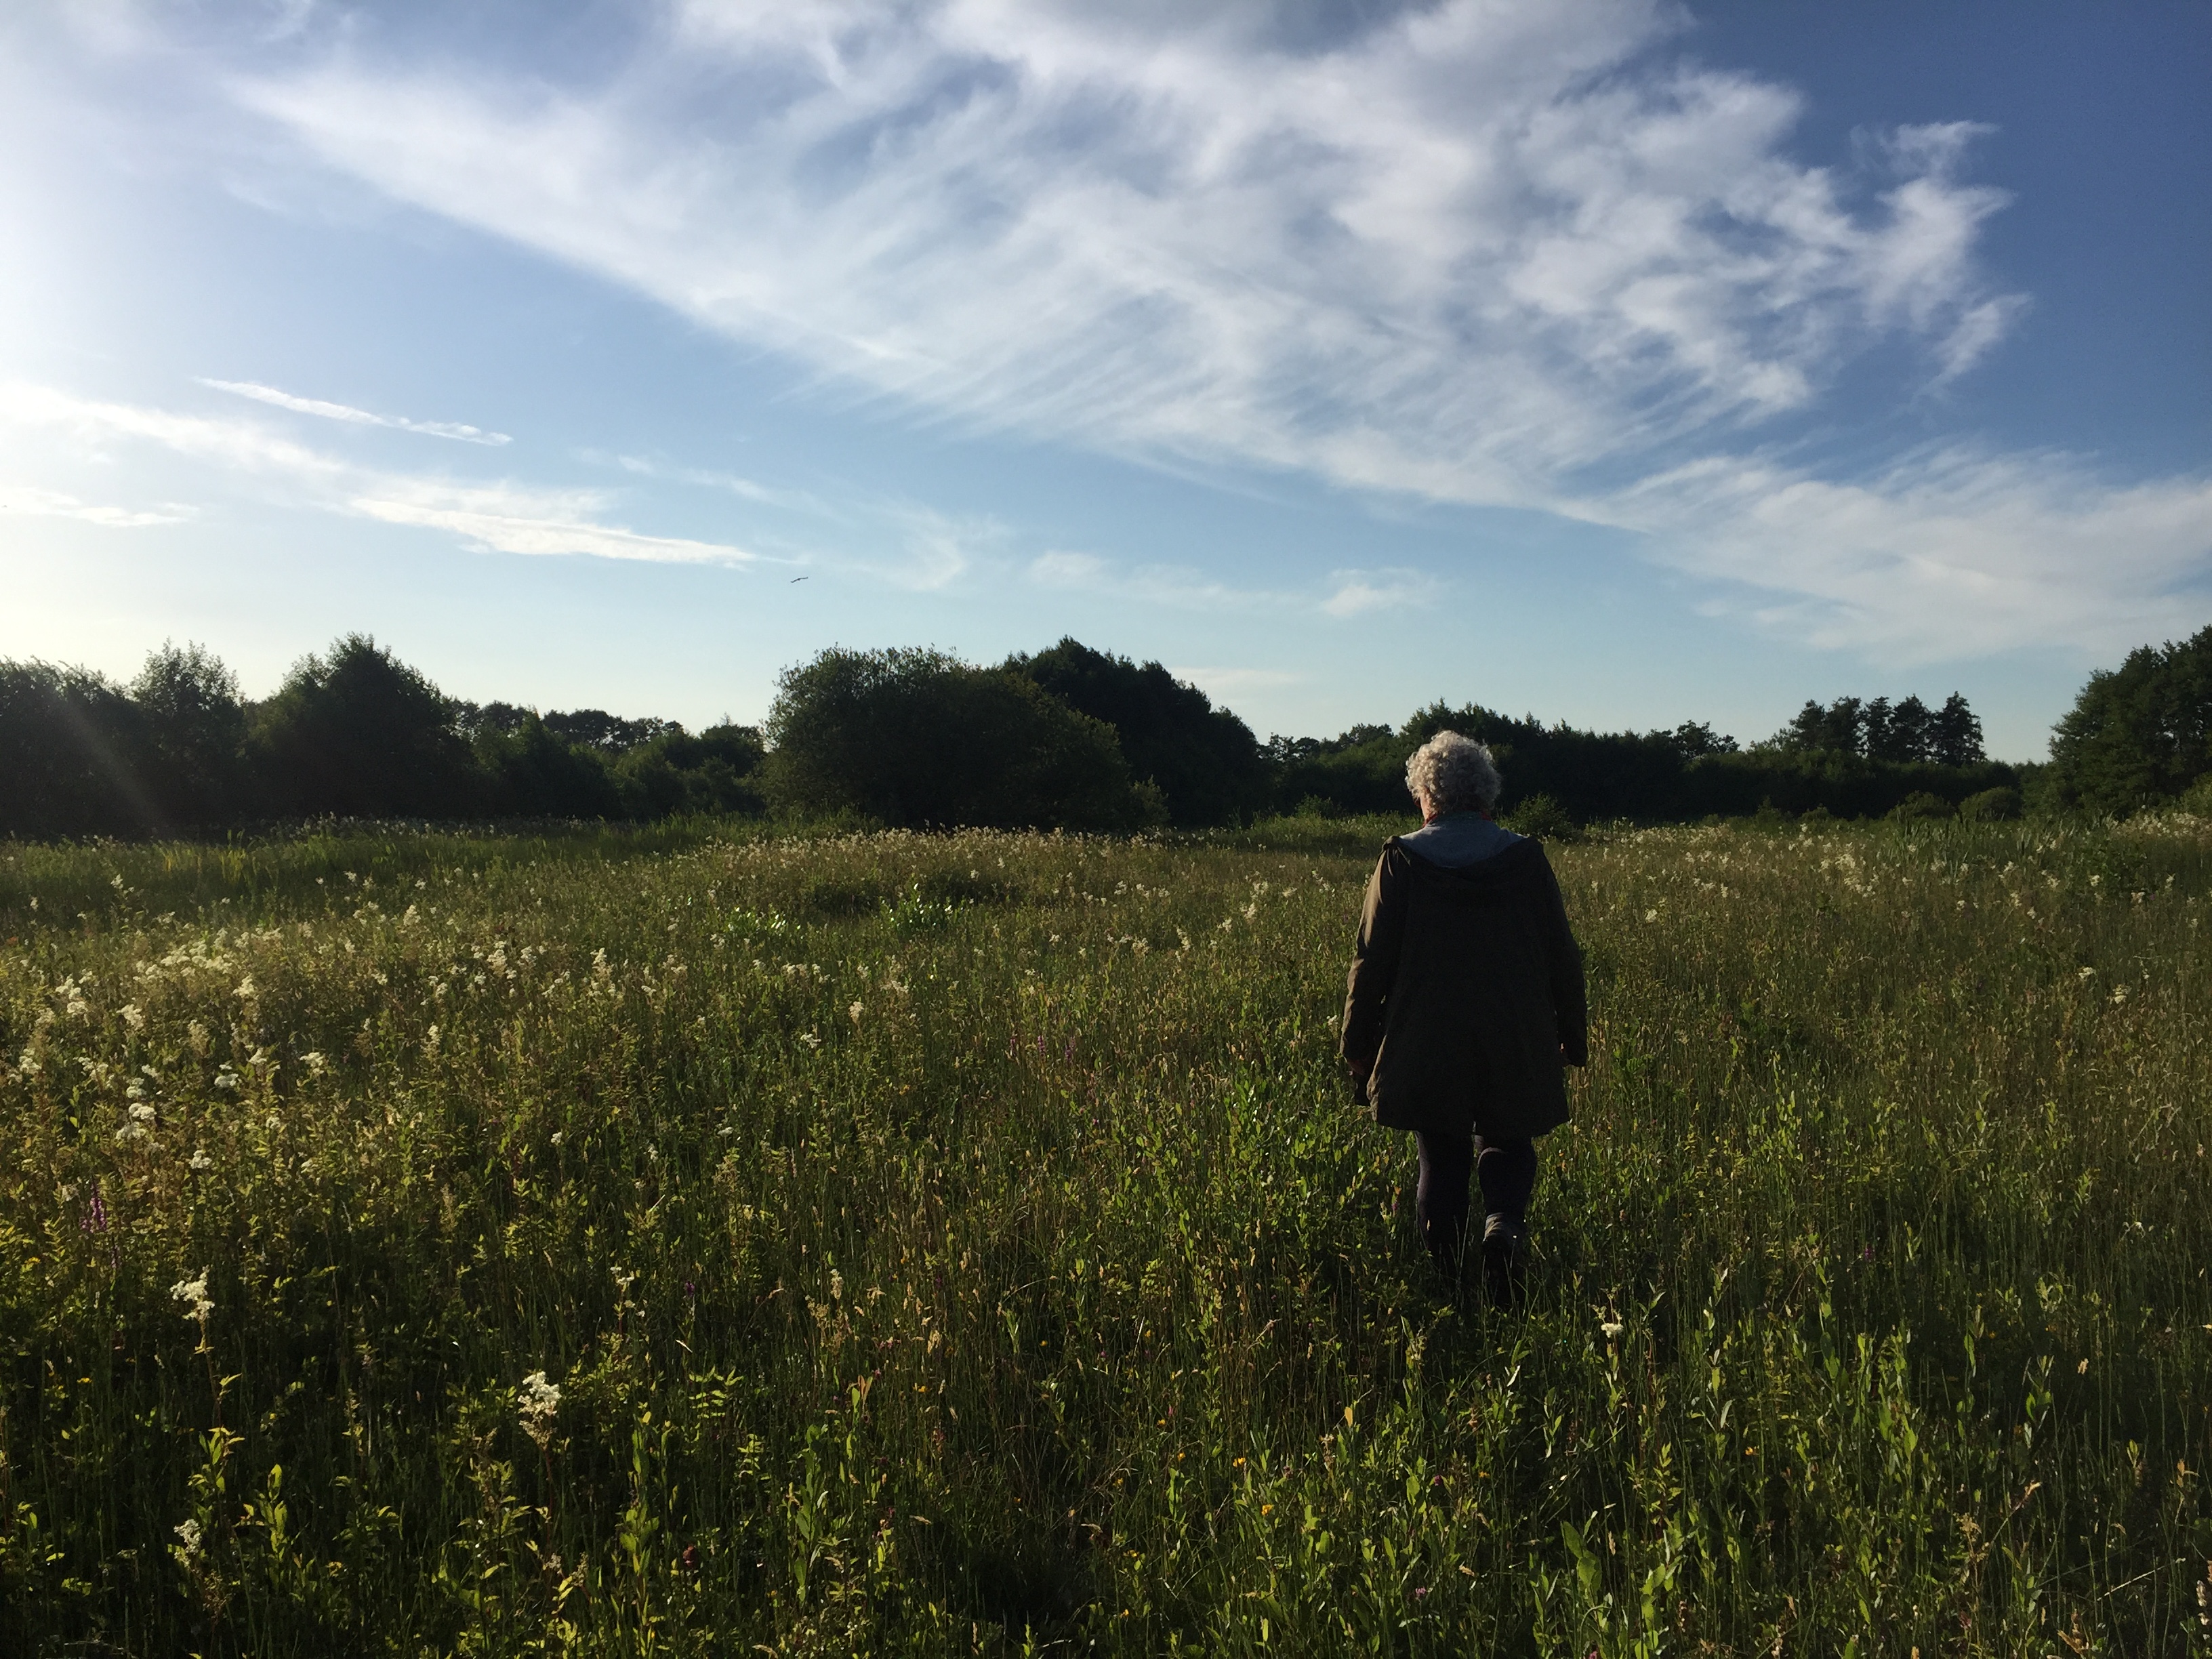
<point x="1464" y="1003"/>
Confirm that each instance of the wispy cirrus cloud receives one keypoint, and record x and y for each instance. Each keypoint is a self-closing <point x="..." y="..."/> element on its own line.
<point x="347" y="413"/>
<point x="498" y="516"/>
<point x="1955" y="552"/>
<point x="31" y="501"/>
<point x="1532" y="256"/>
<point x="1466" y="251"/>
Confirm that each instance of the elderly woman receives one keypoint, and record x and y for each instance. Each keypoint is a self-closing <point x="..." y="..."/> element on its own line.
<point x="1464" y="1001"/>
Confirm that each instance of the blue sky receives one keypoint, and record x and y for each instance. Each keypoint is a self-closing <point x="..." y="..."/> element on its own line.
<point x="1622" y="363"/>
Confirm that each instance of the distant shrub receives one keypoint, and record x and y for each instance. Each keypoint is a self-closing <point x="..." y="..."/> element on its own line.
<point x="1921" y="807"/>
<point x="1998" y="805"/>
<point x="1543" y="817"/>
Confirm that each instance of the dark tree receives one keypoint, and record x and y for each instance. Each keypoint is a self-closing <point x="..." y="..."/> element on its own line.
<point x="2141" y="734"/>
<point x="600" y="730"/>
<point x="533" y="772"/>
<point x="918" y="738"/>
<point x="1955" y="734"/>
<point x="194" y="736"/>
<point x="717" y="771"/>
<point x="1203" y="759"/>
<point x="360" y="733"/>
<point x="71" y="749"/>
<point x="1900" y="733"/>
<point x="1840" y="728"/>
<point x="1695" y="738"/>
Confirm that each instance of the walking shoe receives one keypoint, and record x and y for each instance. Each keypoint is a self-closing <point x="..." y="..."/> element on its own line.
<point x="1502" y="1253"/>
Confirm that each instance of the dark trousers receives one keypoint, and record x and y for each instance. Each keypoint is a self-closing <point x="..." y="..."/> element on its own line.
<point x="1504" y="1169"/>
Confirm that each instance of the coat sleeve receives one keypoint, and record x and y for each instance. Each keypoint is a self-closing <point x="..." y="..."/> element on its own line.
<point x="1374" y="966"/>
<point x="1564" y="956"/>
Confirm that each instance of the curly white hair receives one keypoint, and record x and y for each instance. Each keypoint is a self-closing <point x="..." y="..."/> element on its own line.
<point x="1453" y="774"/>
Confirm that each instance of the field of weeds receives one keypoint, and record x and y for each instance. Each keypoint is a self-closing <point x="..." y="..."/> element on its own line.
<point x="683" y="1242"/>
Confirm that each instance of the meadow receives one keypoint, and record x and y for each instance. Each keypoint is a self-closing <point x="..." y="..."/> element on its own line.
<point x="694" y="1240"/>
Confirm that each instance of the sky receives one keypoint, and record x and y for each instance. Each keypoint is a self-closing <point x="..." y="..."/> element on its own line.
<point x="1617" y="362"/>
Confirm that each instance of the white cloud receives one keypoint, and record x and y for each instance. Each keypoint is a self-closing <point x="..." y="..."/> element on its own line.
<point x="1955" y="554"/>
<point x="346" y="412"/>
<point x="499" y="517"/>
<point x="1356" y="591"/>
<point x="30" y="502"/>
<point x="1481" y="252"/>
<point x="1464" y="253"/>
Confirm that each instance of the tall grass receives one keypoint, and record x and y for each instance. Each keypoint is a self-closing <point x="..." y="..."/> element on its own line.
<point x="964" y="1243"/>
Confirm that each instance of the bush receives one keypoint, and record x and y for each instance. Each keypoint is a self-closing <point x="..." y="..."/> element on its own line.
<point x="1543" y="817"/>
<point x="1999" y="805"/>
<point x="1921" y="807"/>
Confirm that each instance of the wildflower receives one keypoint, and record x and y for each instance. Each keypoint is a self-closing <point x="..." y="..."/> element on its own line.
<point x="225" y="1078"/>
<point x="536" y="1402"/>
<point x="188" y="1544"/>
<point x="430" y="1039"/>
<point x="199" y="1161"/>
<point x="2119" y="994"/>
<point x="810" y="1039"/>
<point x="196" y="1034"/>
<point x="1651" y="915"/>
<point x="1613" y="1328"/>
<point x="314" y="1061"/>
<point x="134" y="1016"/>
<point x="855" y="1012"/>
<point x="247" y="989"/>
<point x="140" y="1112"/>
<point x="2085" y="975"/>
<point x="193" y="1294"/>
<point x="558" y="1136"/>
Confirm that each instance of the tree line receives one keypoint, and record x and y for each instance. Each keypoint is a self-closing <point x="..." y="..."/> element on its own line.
<point x="1069" y="737"/>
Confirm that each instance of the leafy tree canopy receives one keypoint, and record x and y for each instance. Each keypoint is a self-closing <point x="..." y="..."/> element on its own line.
<point x="1205" y="760"/>
<point x="919" y="737"/>
<point x="2139" y="735"/>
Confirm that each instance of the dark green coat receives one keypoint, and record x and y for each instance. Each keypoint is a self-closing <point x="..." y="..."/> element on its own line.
<point x="1466" y="995"/>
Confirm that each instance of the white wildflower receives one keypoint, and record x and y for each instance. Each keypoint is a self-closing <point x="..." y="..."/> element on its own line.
<point x="558" y="1136"/>
<point x="188" y="1536"/>
<point x="810" y="1039"/>
<point x="140" y="1112"/>
<point x="313" y="1060"/>
<point x="536" y="1401"/>
<point x="2119" y="994"/>
<point x="1613" y="1328"/>
<point x="193" y="1294"/>
<point x="2085" y="975"/>
<point x="430" y="1039"/>
<point x="1651" y="915"/>
<point x="248" y="990"/>
<point x="199" y="1161"/>
<point x="134" y="1016"/>
<point x="855" y="1012"/>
